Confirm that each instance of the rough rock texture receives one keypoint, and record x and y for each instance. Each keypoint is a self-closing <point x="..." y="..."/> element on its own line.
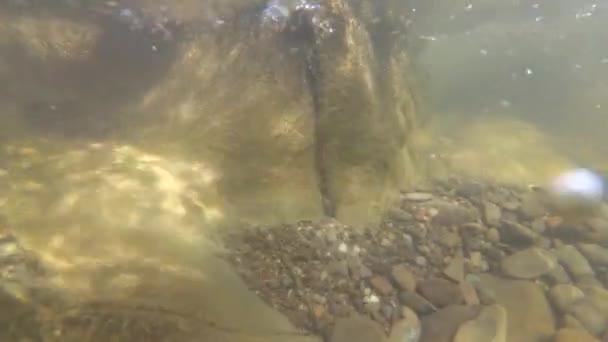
<point x="297" y="124"/>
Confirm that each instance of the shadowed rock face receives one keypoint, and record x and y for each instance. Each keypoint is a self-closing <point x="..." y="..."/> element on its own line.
<point x="303" y="108"/>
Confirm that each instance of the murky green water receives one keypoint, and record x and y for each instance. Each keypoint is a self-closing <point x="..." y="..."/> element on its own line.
<point x="139" y="139"/>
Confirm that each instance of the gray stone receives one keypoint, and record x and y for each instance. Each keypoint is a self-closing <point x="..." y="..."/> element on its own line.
<point x="563" y="296"/>
<point x="404" y="278"/>
<point x="574" y="262"/>
<point x="596" y="254"/>
<point x="489" y="325"/>
<point x="357" y="329"/>
<point x="528" y="264"/>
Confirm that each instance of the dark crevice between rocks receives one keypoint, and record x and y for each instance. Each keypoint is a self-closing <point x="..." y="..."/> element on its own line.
<point x="304" y="34"/>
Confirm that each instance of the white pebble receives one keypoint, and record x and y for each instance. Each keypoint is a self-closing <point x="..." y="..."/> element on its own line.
<point x="342" y="247"/>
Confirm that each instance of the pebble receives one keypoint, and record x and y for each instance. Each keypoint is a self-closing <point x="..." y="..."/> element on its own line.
<point x="455" y="269"/>
<point x="357" y="329"/>
<point x="491" y="214"/>
<point x="568" y="321"/>
<point x="528" y="264"/>
<point x="382" y="285"/>
<point x="404" y="278"/>
<point x="441" y="292"/>
<point x="407" y="329"/>
<point x="493" y="235"/>
<point x="572" y="335"/>
<point x="420" y="261"/>
<point x="563" y="296"/>
<point x="469" y="189"/>
<point x="489" y="325"/>
<point x="596" y="254"/>
<point x="574" y="262"/>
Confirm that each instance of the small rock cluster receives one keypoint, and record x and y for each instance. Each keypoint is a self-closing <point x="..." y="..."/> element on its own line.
<point x="459" y="261"/>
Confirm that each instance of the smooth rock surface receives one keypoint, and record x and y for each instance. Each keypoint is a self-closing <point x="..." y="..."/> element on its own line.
<point x="489" y="326"/>
<point x="443" y="324"/>
<point x="529" y="312"/>
<point x="574" y="262"/>
<point x="529" y="263"/>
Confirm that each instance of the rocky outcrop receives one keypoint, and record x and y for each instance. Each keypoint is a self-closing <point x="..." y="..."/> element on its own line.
<point x="302" y="110"/>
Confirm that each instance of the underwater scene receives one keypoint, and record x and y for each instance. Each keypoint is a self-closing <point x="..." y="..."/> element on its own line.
<point x="303" y="170"/>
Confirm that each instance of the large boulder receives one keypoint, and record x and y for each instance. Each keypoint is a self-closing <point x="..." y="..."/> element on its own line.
<point x="299" y="119"/>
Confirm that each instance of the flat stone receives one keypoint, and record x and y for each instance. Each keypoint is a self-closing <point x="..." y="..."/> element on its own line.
<point x="443" y="324"/>
<point x="572" y="335"/>
<point x="491" y="213"/>
<point x="489" y="325"/>
<point x="574" y="262"/>
<point x="441" y="292"/>
<point x="404" y="278"/>
<point x="530" y="316"/>
<point x="357" y="329"/>
<point x="455" y="269"/>
<point x="382" y="285"/>
<point x="563" y="296"/>
<point x="407" y="329"/>
<point x="528" y="264"/>
<point x="596" y="254"/>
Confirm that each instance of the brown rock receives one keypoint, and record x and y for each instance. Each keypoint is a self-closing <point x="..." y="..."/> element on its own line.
<point x="382" y="285"/>
<point x="441" y="292"/>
